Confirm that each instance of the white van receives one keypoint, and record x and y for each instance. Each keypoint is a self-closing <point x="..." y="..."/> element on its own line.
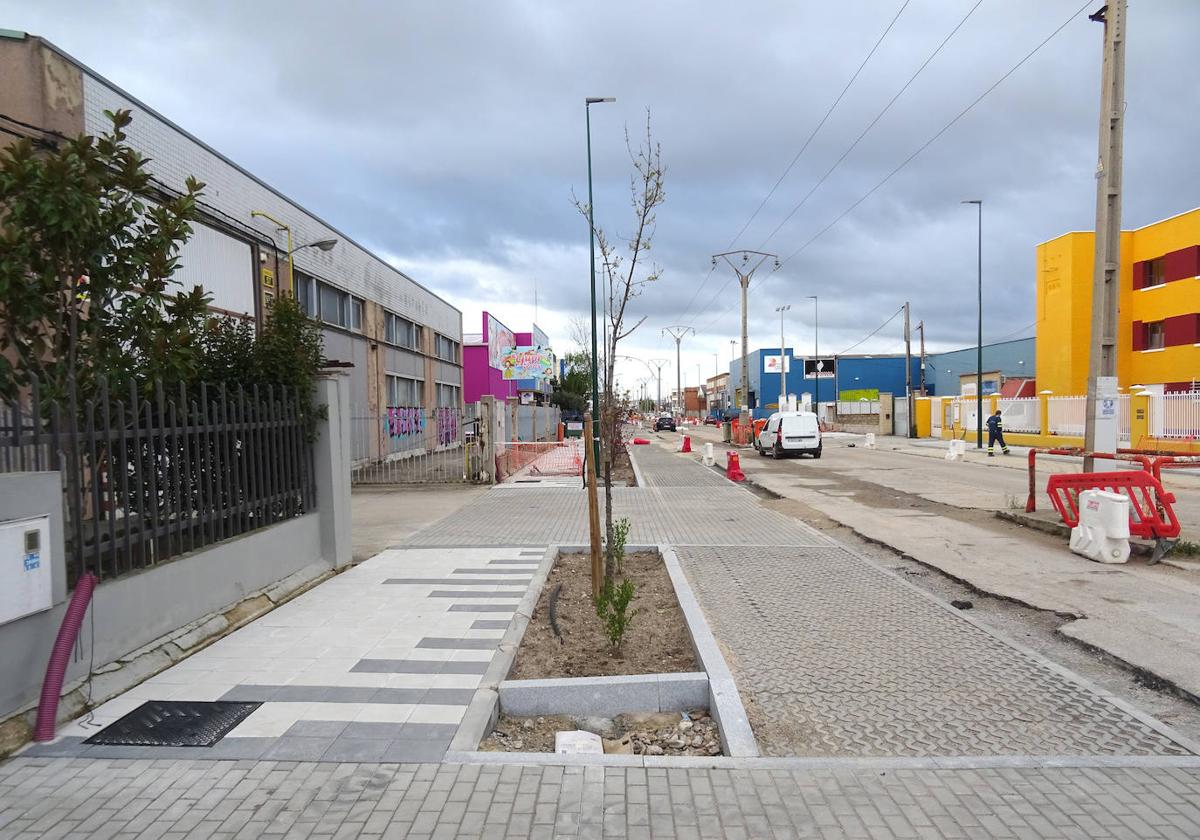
<point x="790" y="433"/>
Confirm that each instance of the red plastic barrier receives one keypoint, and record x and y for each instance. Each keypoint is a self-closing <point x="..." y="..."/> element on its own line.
<point x="641" y="441"/>
<point x="733" y="467"/>
<point x="1151" y="511"/>
<point x="686" y="444"/>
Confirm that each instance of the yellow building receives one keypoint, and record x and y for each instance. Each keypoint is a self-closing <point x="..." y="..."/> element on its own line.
<point x="1158" y="330"/>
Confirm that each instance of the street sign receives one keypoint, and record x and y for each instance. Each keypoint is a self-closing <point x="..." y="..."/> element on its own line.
<point x="821" y="368"/>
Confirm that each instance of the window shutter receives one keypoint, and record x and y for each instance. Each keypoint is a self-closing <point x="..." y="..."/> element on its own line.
<point x="1180" y="329"/>
<point x="1139" y="336"/>
<point x="1182" y="264"/>
<point x="1139" y="275"/>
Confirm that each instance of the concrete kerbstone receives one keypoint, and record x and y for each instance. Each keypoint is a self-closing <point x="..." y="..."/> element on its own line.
<point x="725" y="704"/>
<point x="603" y="696"/>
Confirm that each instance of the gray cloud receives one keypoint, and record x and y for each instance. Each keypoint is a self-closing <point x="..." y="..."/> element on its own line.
<point x="450" y="136"/>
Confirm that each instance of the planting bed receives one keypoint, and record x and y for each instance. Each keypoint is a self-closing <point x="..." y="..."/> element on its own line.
<point x="657" y="641"/>
<point x="661" y="733"/>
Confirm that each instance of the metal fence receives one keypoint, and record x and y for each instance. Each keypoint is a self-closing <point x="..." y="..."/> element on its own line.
<point x="1021" y="414"/>
<point x="147" y="479"/>
<point x="1180" y="415"/>
<point x="415" y="445"/>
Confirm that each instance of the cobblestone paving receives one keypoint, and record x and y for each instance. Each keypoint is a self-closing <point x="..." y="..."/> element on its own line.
<point x="677" y="515"/>
<point x="843" y="658"/>
<point x="666" y="469"/>
<point x="43" y="798"/>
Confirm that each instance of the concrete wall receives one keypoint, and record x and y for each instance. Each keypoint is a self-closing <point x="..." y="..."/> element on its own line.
<point x="135" y="610"/>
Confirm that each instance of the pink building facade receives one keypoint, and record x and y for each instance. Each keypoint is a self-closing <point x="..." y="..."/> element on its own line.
<point x="482" y="372"/>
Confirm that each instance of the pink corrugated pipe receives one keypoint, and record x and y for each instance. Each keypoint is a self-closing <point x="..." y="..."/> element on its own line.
<point x="56" y="669"/>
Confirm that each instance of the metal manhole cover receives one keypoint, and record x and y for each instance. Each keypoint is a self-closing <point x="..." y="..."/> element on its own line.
<point x="174" y="723"/>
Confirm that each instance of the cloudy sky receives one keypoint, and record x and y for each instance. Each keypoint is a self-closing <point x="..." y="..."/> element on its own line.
<point x="449" y="137"/>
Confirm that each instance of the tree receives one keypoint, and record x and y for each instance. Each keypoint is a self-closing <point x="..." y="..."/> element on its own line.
<point x="626" y="274"/>
<point x="88" y="247"/>
<point x="571" y="390"/>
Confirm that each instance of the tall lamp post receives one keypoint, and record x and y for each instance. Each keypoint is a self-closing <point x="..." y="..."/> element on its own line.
<point x="322" y="244"/>
<point x="816" y="355"/>
<point x="587" y="107"/>
<point x="979" y="337"/>
<point x="783" y="366"/>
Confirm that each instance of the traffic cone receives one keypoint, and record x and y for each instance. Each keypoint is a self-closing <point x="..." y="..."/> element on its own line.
<point x="733" y="467"/>
<point x="685" y="445"/>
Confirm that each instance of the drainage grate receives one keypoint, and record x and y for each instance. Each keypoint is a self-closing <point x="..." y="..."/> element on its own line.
<point x="174" y="723"/>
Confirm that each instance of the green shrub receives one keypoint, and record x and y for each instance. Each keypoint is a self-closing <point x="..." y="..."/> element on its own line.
<point x="613" y="608"/>
<point x="620" y="534"/>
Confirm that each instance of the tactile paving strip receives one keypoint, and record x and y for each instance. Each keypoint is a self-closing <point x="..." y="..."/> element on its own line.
<point x="174" y="723"/>
<point x="842" y="659"/>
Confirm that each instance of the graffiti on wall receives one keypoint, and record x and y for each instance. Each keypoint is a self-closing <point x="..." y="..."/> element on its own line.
<point x="401" y="422"/>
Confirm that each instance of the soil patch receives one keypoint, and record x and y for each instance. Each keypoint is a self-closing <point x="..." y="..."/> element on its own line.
<point x="657" y="641"/>
<point x="660" y="733"/>
<point x="622" y="469"/>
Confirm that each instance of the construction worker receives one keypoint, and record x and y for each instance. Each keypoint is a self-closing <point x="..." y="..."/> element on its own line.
<point x="996" y="435"/>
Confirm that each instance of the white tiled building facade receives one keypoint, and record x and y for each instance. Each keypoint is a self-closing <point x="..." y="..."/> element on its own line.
<point x="403" y="341"/>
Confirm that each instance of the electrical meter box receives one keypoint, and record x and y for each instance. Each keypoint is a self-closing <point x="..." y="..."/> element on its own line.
<point x="25" y="564"/>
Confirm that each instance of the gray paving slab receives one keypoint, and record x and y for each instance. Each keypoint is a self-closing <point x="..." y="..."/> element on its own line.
<point x="454" y="581"/>
<point x="842" y="658"/>
<point x="418" y="666"/>
<point x="48" y="797"/>
<point x="443" y="643"/>
<point x="488" y="608"/>
<point x="489" y="624"/>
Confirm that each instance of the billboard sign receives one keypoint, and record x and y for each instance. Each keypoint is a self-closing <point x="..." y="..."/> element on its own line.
<point x="527" y="362"/>
<point x="499" y="337"/>
<point x="771" y="364"/>
<point x="820" y="368"/>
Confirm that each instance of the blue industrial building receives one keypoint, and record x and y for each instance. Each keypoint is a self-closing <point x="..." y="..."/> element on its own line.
<point x="879" y="374"/>
<point x="1003" y="360"/>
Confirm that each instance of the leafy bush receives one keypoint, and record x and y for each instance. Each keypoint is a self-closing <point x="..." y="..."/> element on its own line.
<point x="613" y="608"/>
<point x="620" y="534"/>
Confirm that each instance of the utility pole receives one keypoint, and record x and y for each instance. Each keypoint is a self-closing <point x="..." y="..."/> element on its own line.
<point x="782" y="359"/>
<point x="744" y="272"/>
<point x="978" y="202"/>
<point x="677" y="332"/>
<point x="921" y="327"/>
<point x="658" y="365"/>
<point x="1102" y="361"/>
<point x="908" y="392"/>
<point x="817" y="355"/>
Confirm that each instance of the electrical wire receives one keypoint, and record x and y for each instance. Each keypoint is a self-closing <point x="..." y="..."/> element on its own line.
<point x="872" y="332"/>
<point x="940" y="132"/>
<point x="828" y="113"/>
<point x="870" y="125"/>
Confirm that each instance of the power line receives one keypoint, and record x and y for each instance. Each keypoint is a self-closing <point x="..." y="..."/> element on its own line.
<point x="872" y="332"/>
<point x="940" y="132"/>
<point x="796" y="158"/>
<point x="871" y="124"/>
<point x="824" y="119"/>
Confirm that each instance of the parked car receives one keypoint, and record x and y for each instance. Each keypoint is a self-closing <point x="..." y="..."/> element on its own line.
<point x="790" y="433"/>
<point x="711" y="420"/>
<point x="665" y="423"/>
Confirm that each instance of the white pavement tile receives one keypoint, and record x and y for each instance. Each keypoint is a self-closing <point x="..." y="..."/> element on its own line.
<point x="436" y="714"/>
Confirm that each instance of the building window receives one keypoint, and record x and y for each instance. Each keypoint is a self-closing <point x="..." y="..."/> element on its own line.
<point x="403" y="391"/>
<point x="445" y="349"/>
<point x="306" y="294"/>
<point x="356" y="314"/>
<point x="447" y="395"/>
<point x="334" y="305"/>
<point x="1155" y="336"/>
<point x="401" y="332"/>
<point x="1155" y="274"/>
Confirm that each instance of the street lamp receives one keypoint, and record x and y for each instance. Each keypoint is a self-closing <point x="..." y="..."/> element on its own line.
<point x="322" y="244"/>
<point x="782" y="359"/>
<point x="587" y="107"/>
<point x="979" y="338"/>
<point x="817" y="353"/>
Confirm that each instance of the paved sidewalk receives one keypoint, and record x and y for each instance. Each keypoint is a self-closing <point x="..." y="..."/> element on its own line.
<point x="220" y="800"/>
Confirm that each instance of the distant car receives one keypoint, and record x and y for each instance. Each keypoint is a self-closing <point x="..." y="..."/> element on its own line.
<point x="790" y="433"/>
<point x="665" y="423"/>
<point x="710" y="420"/>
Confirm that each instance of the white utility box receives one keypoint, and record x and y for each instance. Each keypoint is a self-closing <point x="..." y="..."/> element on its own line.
<point x="709" y="460"/>
<point x="25" y="563"/>
<point x="1103" y="530"/>
<point x="870" y="441"/>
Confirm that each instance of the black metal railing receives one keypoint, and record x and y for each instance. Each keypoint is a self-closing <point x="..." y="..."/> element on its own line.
<point x="146" y="479"/>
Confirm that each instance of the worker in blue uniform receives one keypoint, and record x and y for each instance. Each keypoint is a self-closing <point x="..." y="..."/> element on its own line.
<point x="996" y="435"/>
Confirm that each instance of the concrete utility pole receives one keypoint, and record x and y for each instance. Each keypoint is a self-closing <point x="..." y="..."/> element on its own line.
<point x="782" y="359"/>
<point x="658" y="365"/>
<point x="1101" y="421"/>
<point x="979" y="326"/>
<point x="677" y="332"/>
<point x="744" y="272"/>
<point x="908" y="391"/>
<point x="921" y="327"/>
<point x="817" y="355"/>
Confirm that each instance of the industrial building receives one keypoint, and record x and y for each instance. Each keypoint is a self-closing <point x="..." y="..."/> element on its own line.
<point x="401" y="342"/>
<point x="1158" y="327"/>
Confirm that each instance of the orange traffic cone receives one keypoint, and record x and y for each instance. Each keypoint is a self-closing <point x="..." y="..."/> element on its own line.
<point x="685" y="445"/>
<point x="733" y="467"/>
